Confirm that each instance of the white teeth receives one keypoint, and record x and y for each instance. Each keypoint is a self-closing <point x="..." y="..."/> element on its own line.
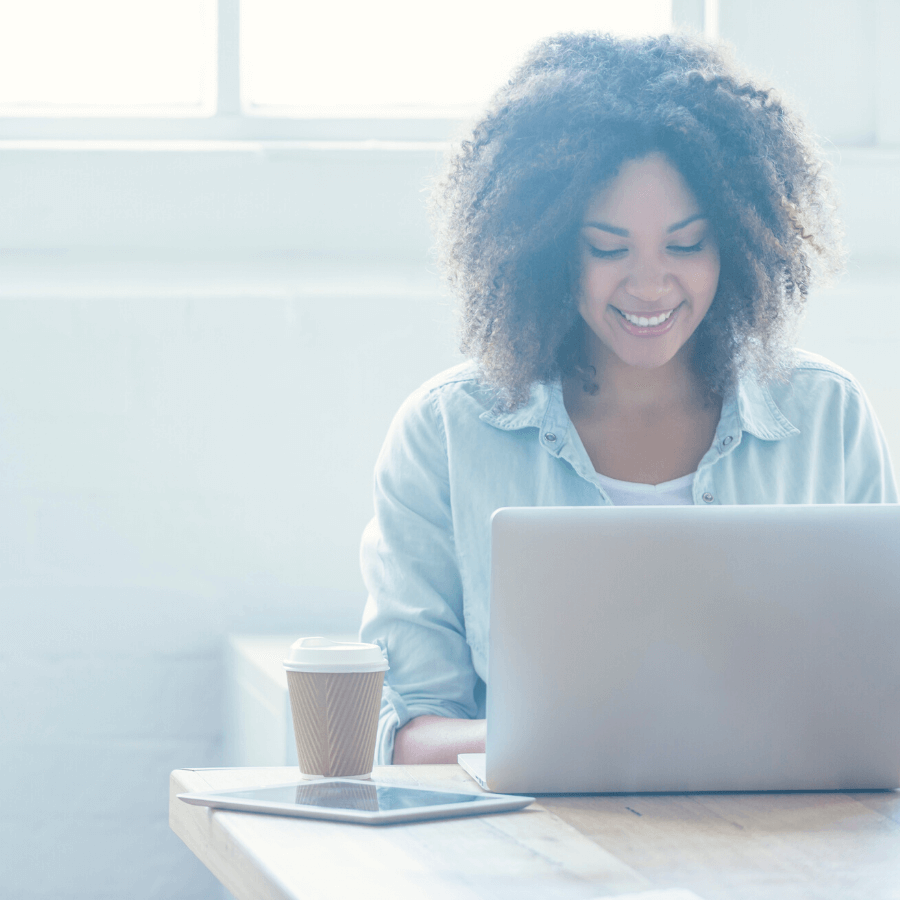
<point x="643" y="321"/>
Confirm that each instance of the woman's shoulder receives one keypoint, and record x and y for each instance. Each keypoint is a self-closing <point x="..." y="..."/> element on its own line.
<point x="816" y="385"/>
<point x="458" y="376"/>
<point x="811" y="366"/>
<point x="461" y="387"/>
<point x="835" y="421"/>
<point x="453" y="399"/>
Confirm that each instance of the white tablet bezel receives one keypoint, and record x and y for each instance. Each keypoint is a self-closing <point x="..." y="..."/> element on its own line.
<point x="485" y="803"/>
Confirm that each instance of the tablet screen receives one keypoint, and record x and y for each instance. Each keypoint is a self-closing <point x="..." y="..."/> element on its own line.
<point x="353" y="795"/>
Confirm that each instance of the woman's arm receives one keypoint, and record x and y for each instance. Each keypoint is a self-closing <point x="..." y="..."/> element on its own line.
<point x="415" y="611"/>
<point x="435" y="739"/>
<point x="868" y="471"/>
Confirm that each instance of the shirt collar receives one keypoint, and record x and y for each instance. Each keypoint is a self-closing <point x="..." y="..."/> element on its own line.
<point x="748" y="407"/>
<point x="757" y="412"/>
<point x="544" y="410"/>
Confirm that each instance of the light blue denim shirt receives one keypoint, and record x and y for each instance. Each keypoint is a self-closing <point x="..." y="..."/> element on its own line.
<point x="453" y="456"/>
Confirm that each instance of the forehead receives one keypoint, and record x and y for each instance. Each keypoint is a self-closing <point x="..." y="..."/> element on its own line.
<point x="649" y="190"/>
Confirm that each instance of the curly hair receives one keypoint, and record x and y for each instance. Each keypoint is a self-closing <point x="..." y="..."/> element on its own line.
<point x="510" y="203"/>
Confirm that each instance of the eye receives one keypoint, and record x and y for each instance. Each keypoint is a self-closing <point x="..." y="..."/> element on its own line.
<point x="606" y="254"/>
<point x="694" y="248"/>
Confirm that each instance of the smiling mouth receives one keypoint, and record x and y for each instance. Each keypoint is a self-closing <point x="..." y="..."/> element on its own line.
<point x="644" y="321"/>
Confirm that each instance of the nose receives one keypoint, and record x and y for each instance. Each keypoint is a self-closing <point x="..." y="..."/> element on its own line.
<point x="648" y="281"/>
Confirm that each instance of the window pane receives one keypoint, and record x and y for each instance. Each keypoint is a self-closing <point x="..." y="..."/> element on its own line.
<point x="359" y="57"/>
<point x="107" y="57"/>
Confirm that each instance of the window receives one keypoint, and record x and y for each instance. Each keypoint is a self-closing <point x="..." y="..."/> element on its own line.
<point x="242" y="127"/>
<point x="108" y="57"/>
<point x="403" y="57"/>
<point x="272" y="69"/>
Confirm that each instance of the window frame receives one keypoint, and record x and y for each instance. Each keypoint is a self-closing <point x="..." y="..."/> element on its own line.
<point x="233" y="119"/>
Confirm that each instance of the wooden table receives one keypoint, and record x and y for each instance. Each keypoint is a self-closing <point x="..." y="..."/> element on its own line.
<point x="803" y="846"/>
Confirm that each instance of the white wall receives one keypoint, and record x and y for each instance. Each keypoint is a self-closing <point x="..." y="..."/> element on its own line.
<point x="836" y="59"/>
<point x="174" y="466"/>
<point x="190" y="407"/>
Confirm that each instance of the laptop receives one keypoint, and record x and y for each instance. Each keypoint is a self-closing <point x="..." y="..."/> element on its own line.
<point x="682" y="648"/>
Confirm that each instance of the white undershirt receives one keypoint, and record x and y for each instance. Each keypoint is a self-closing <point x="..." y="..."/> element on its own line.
<point x="670" y="493"/>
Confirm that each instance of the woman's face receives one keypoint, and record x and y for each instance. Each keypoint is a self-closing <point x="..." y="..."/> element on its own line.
<point x="649" y="264"/>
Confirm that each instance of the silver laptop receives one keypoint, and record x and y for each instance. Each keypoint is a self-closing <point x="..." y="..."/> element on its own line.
<point x="735" y="648"/>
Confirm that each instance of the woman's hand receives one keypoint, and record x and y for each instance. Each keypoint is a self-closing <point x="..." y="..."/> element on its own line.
<point x="434" y="739"/>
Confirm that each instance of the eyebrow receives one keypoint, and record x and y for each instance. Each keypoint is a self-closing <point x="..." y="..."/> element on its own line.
<point x="622" y="232"/>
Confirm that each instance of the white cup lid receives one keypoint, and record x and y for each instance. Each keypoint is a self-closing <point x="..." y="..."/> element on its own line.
<point x="318" y="654"/>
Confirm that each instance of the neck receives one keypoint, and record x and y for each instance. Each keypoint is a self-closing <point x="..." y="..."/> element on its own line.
<point x="631" y="391"/>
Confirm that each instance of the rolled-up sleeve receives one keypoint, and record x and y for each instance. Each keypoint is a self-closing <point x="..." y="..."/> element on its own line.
<point x="414" y="610"/>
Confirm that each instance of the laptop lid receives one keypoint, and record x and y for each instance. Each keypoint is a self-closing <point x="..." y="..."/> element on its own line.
<point x="694" y="649"/>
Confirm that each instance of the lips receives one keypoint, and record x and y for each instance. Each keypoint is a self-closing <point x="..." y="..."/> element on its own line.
<point x="639" y="323"/>
<point x="648" y="319"/>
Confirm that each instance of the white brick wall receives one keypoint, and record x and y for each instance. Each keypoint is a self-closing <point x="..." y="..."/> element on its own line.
<point x="172" y="469"/>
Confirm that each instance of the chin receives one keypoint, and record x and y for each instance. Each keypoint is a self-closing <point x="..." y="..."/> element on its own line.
<point x="647" y="362"/>
<point x="648" y="366"/>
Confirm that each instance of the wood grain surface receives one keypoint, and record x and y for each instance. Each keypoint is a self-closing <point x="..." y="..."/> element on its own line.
<point x="777" y="846"/>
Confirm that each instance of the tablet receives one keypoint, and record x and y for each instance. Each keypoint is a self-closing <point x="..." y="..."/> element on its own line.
<point x="363" y="802"/>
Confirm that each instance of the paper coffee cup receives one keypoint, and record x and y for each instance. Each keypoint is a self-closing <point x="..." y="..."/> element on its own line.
<point x="335" y="690"/>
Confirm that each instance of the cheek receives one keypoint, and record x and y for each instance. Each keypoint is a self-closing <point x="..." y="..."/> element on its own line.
<point x="703" y="278"/>
<point x="596" y="284"/>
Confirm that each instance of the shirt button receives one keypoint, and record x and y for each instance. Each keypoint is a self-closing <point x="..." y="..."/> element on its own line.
<point x="550" y="437"/>
<point x="727" y="441"/>
<point x="708" y="497"/>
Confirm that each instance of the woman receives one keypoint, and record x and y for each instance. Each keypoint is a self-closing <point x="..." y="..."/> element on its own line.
<point x="632" y="230"/>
